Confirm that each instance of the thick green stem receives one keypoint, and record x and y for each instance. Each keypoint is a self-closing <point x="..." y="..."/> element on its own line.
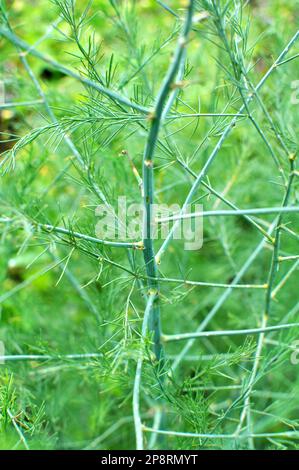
<point x="152" y="312"/>
<point x="137" y="381"/>
<point x="148" y="178"/>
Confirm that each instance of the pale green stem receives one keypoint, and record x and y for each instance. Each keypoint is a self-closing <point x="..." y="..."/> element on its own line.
<point x="208" y="334"/>
<point x="137" y="381"/>
<point x="57" y="66"/>
<point x="225" y="213"/>
<point x="20" y="104"/>
<point x="210" y="284"/>
<point x="81" y="236"/>
<point x="18" y="429"/>
<point x="48" y="357"/>
<point x="286" y="434"/>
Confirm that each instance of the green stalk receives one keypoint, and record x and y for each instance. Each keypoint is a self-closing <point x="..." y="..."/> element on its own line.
<point x="49" y="357"/>
<point x="272" y="275"/>
<point x="275" y="257"/>
<point x="148" y="178"/>
<point x="18" y="429"/>
<point x="210" y="284"/>
<point x="286" y="434"/>
<point x="208" y="334"/>
<point x="82" y="236"/>
<point x="8" y="34"/>
<point x="20" y="104"/>
<point x="225" y="213"/>
<point x="152" y="311"/>
<point x="137" y="381"/>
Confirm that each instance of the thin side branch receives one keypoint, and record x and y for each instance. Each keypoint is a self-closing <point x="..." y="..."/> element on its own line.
<point x="208" y="334"/>
<point x="8" y="34"/>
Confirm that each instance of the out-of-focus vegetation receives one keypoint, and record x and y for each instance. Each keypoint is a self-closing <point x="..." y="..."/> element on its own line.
<point x="61" y="296"/>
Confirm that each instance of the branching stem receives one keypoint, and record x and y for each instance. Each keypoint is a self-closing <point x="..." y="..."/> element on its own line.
<point x="8" y="34"/>
<point x="148" y="177"/>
